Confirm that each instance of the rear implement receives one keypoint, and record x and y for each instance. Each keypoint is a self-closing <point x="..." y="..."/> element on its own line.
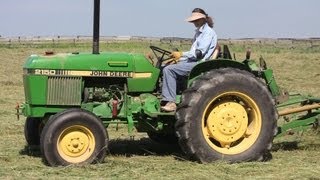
<point x="299" y="113"/>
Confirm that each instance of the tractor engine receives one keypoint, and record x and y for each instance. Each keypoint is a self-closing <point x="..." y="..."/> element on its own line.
<point x="113" y="96"/>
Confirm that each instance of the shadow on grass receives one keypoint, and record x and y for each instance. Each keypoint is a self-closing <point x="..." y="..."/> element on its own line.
<point x="31" y="151"/>
<point x="147" y="147"/>
<point x="126" y="147"/>
<point x="144" y="147"/>
<point x="294" y="145"/>
<point x="286" y="146"/>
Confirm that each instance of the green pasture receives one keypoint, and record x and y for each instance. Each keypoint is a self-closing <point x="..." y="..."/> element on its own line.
<point x="296" y="68"/>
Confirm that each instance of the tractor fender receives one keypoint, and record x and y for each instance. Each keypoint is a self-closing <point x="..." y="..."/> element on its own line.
<point x="216" y="64"/>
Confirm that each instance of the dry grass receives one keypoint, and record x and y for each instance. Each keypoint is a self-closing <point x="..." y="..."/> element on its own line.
<point x="294" y="157"/>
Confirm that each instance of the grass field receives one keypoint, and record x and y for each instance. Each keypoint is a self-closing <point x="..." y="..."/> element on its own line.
<point x="296" y="67"/>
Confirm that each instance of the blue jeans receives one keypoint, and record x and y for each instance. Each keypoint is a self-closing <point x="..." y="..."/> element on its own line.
<point x="170" y="74"/>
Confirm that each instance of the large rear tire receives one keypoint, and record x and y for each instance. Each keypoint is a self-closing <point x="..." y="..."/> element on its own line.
<point x="74" y="136"/>
<point x="226" y="114"/>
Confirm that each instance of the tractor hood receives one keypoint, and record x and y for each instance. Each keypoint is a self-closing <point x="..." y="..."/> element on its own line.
<point x="82" y="62"/>
<point x="140" y="73"/>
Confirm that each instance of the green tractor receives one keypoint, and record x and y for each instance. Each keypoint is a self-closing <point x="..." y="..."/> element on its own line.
<point x="227" y="109"/>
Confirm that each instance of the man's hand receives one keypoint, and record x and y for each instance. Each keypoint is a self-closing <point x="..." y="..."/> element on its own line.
<point x="176" y="55"/>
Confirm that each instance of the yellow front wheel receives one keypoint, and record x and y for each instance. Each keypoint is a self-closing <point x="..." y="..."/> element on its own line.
<point x="76" y="144"/>
<point x="226" y="114"/>
<point x="74" y="136"/>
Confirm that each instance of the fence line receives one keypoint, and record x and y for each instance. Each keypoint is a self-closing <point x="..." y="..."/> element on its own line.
<point x="110" y="39"/>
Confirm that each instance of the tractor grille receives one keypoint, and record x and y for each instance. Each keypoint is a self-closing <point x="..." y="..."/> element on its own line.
<point x="64" y="91"/>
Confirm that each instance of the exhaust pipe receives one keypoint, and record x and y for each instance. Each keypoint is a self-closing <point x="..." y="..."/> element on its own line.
<point x="96" y="27"/>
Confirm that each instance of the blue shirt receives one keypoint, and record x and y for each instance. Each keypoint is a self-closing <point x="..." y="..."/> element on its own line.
<point x="204" y="40"/>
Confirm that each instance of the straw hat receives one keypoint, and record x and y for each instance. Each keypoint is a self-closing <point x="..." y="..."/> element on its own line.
<point x="195" y="16"/>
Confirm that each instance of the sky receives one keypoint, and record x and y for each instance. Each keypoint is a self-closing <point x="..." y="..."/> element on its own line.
<point x="161" y="18"/>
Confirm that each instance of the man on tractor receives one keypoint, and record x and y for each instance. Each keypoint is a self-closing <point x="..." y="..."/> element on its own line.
<point x="204" y="43"/>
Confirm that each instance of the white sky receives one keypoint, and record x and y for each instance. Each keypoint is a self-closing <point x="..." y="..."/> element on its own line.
<point x="161" y="18"/>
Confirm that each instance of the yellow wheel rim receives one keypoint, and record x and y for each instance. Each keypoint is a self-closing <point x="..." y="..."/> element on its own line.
<point x="231" y="123"/>
<point x="76" y="144"/>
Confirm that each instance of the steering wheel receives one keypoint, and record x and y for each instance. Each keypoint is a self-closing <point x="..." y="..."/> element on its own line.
<point x="161" y="55"/>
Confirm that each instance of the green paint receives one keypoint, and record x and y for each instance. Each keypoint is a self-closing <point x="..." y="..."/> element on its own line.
<point x="142" y="65"/>
<point x="35" y="89"/>
<point x="299" y="124"/>
<point x="81" y="61"/>
<point x="294" y="99"/>
<point x="102" y="110"/>
<point x="40" y="111"/>
<point x="271" y="82"/>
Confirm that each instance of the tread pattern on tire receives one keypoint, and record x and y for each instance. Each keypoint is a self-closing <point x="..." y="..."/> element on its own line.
<point x="189" y="102"/>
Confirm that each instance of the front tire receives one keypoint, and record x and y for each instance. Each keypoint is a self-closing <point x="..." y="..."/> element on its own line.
<point x="74" y="136"/>
<point x="226" y="114"/>
<point x="32" y="131"/>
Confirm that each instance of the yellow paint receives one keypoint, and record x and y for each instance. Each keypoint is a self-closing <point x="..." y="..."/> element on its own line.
<point x="76" y="144"/>
<point x="231" y="123"/>
<point x="78" y="73"/>
<point x="92" y="73"/>
<point x="227" y="122"/>
<point x="142" y="75"/>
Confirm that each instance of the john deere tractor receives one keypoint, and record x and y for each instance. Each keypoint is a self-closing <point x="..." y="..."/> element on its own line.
<point x="227" y="110"/>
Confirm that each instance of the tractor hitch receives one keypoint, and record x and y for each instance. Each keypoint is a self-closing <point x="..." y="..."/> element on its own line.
<point x="17" y="111"/>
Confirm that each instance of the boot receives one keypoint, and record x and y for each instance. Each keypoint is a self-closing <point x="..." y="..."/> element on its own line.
<point x="169" y="107"/>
